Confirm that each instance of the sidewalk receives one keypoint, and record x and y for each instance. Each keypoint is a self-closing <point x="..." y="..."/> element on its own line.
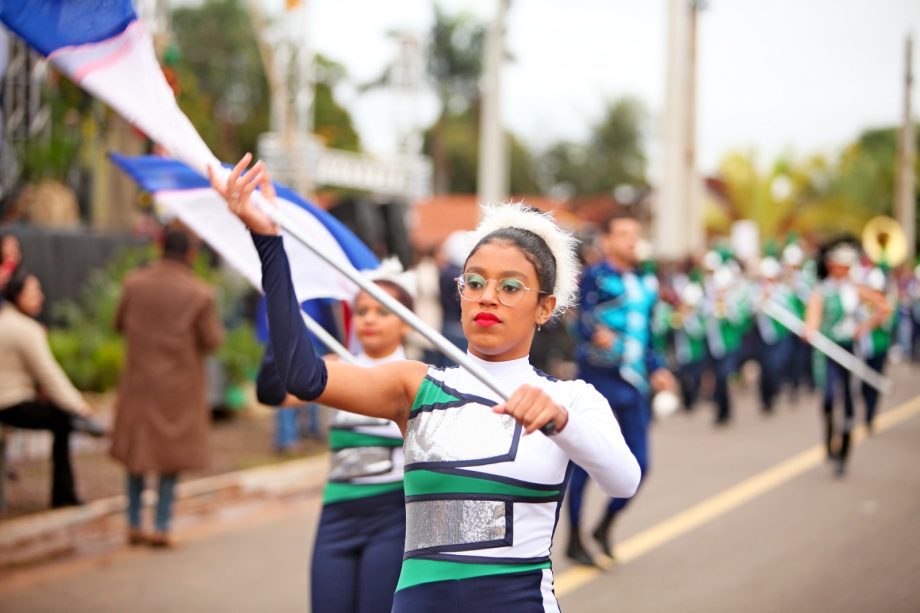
<point x="245" y="470"/>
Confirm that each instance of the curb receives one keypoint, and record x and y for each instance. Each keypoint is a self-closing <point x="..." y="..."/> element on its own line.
<point x="100" y="524"/>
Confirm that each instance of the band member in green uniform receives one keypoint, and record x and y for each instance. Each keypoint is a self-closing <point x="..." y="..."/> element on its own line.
<point x="833" y="310"/>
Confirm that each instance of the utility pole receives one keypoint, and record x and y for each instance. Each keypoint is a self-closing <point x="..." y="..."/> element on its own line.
<point x="493" y="172"/>
<point x="678" y="225"/>
<point x="405" y="81"/>
<point x="905" y="203"/>
<point x="287" y="57"/>
<point x="696" y="232"/>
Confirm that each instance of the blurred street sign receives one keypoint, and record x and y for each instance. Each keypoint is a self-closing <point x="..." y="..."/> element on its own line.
<point x="403" y="176"/>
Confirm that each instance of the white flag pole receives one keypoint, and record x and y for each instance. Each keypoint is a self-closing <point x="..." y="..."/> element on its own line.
<point x="442" y="344"/>
<point x="330" y="341"/>
<point x="829" y="347"/>
<point x="379" y="294"/>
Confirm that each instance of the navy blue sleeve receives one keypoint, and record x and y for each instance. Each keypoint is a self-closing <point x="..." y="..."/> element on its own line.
<point x="301" y="371"/>
<point x="269" y="389"/>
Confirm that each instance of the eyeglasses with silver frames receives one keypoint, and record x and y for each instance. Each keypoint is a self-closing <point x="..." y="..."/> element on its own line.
<point x="510" y="291"/>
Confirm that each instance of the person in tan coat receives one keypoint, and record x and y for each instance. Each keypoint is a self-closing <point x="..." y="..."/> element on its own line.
<point x="170" y="323"/>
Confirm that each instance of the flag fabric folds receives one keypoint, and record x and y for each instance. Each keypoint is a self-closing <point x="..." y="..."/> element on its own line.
<point x="186" y="194"/>
<point x="104" y="48"/>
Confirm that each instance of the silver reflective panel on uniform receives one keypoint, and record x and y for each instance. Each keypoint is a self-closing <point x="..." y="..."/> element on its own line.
<point x="469" y="432"/>
<point x="354" y="462"/>
<point x="438" y="523"/>
<point x="343" y="419"/>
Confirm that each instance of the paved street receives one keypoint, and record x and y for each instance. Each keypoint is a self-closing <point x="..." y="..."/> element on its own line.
<point x="745" y="518"/>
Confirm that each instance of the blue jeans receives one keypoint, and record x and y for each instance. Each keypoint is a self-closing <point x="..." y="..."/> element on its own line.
<point x="166" y="489"/>
<point x="294" y="423"/>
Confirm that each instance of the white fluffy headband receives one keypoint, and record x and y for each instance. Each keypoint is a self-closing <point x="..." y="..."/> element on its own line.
<point x="561" y="244"/>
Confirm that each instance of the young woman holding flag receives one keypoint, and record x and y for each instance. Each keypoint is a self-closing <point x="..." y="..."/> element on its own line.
<point x="482" y="487"/>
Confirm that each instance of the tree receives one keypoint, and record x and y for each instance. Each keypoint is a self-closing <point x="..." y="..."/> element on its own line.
<point x="613" y="154"/>
<point x="455" y="50"/>
<point x="814" y="197"/>
<point x="331" y="121"/>
<point x="865" y="174"/>
<point x="223" y="87"/>
<point x="523" y="178"/>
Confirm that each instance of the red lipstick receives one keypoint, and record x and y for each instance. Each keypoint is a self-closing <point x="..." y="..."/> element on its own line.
<point x="486" y="319"/>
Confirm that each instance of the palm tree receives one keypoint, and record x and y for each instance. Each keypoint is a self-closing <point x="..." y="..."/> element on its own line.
<point x="812" y="198"/>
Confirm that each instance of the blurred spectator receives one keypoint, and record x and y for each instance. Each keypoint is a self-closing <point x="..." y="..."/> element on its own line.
<point x="170" y="322"/>
<point x="451" y="259"/>
<point x="10" y="257"/>
<point x="427" y="307"/>
<point x="26" y="363"/>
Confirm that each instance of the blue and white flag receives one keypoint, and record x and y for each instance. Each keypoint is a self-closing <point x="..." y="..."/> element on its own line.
<point x="104" y="48"/>
<point x="188" y="195"/>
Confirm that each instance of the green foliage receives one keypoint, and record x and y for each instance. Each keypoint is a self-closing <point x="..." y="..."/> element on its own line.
<point x="612" y="156"/>
<point x="814" y="197"/>
<point x="523" y="178"/>
<point x="53" y="158"/>
<point x="455" y="49"/>
<point x="86" y="345"/>
<point x="332" y="123"/>
<point x="91" y="352"/>
<point x="240" y="354"/>
<point x="455" y="138"/>
<point x="223" y="88"/>
<point x="459" y="135"/>
<point x="456" y="45"/>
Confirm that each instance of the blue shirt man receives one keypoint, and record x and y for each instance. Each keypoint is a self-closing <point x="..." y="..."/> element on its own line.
<point x="615" y="354"/>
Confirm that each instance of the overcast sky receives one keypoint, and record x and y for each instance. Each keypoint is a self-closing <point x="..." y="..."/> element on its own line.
<point x="777" y="75"/>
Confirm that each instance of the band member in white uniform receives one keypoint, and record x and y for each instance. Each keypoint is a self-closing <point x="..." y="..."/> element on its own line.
<point x="483" y="485"/>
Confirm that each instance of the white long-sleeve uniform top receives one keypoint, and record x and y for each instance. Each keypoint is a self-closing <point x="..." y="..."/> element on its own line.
<point x="367" y="454"/>
<point x="482" y="498"/>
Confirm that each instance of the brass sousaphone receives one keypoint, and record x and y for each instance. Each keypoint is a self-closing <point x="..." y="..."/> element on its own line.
<point x="884" y="242"/>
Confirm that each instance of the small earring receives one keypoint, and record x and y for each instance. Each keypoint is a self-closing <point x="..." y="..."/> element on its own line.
<point x="539" y="327"/>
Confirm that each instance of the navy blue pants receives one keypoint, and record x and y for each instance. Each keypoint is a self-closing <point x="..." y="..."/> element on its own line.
<point x="358" y="555"/>
<point x="773" y="360"/>
<point x="631" y="408"/>
<point x="869" y="393"/>
<point x="513" y="593"/>
<point x="722" y="369"/>
<point x="837" y="383"/>
<point x="798" y="370"/>
<point x="689" y="376"/>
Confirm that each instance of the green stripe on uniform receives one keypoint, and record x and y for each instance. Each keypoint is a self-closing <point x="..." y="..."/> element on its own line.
<point x="416" y="571"/>
<point x="340" y="439"/>
<point x="422" y="482"/>
<point x="429" y="393"/>
<point x="338" y="492"/>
